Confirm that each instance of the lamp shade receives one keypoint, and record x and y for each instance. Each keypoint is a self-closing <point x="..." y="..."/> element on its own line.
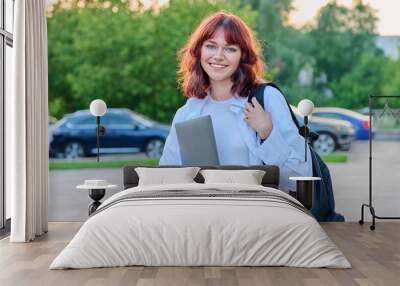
<point x="98" y="107"/>
<point x="305" y="107"/>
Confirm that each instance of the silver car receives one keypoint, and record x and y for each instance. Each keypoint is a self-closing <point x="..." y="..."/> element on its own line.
<point x="334" y="134"/>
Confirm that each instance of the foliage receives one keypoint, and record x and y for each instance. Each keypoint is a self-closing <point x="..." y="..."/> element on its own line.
<point x="128" y="59"/>
<point x="280" y="42"/>
<point x="338" y="50"/>
<point x="126" y="54"/>
<point x="392" y="81"/>
<point x="365" y="78"/>
<point x="346" y="59"/>
<point x="341" y="37"/>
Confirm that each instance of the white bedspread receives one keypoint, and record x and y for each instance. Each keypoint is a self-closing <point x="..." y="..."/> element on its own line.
<point x="200" y="231"/>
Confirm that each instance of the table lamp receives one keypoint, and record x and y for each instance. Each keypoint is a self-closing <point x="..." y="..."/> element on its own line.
<point x="98" y="108"/>
<point x="305" y="108"/>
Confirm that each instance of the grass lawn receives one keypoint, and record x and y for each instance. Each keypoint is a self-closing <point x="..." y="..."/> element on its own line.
<point x="335" y="158"/>
<point x="68" y="165"/>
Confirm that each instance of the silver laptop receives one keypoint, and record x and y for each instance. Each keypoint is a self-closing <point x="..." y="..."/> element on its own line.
<point x="197" y="142"/>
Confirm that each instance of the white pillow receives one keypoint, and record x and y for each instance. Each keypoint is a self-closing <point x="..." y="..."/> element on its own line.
<point x="248" y="177"/>
<point x="164" y="176"/>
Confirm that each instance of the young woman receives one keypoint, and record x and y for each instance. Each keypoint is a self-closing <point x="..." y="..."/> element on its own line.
<point x="220" y="65"/>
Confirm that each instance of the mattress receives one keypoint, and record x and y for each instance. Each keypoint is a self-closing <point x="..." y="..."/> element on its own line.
<point x="201" y="225"/>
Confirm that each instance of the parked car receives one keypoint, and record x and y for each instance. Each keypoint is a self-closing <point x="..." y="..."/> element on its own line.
<point x="126" y="132"/>
<point x="359" y="121"/>
<point x="50" y="126"/>
<point x="333" y="134"/>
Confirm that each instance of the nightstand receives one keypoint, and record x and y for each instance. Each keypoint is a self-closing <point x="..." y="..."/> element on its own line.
<point x="97" y="190"/>
<point x="305" y="190"/>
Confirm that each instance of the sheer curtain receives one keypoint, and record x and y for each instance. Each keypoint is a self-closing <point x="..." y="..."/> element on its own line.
<point x="27" y="120"/>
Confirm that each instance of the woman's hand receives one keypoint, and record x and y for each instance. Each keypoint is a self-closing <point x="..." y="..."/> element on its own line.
<point x="258" y="119"/>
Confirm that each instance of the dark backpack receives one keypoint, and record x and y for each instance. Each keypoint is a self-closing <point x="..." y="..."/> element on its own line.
<point x="324" y="203"/>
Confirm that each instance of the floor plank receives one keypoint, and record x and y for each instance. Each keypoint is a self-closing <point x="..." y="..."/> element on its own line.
<point x="374" y="255"/>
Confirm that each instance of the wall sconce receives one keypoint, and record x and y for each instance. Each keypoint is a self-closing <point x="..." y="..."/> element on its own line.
<point x="305" y="108"/>
<point x="98" y="108"/>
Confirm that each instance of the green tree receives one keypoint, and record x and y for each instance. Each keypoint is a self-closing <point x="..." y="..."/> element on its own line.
<point x="392" y="78"/>
<point x="284" y="47"/>
<point x="366" y="78"/>
<point x="339" y="50"/>
<point x="346" y="59"/>
<point x="272" y="17"/>
<point x="127" y="58"/>
<point x="341" y="36"/>
<point x="390" y="83"/>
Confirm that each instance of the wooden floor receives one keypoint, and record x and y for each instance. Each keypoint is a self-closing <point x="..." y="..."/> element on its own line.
<point x="374" y="255"/>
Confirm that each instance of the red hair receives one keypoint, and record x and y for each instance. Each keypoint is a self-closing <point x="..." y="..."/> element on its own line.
<point x="194" y="80"/>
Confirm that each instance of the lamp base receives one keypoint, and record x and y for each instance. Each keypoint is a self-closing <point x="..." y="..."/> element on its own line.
<point x="305" y="193"/>
<point x="96" y="195"/>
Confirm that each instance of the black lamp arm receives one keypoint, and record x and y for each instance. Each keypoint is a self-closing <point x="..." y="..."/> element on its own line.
<point x="305" y="137"/>
<point x="100" y="131"/>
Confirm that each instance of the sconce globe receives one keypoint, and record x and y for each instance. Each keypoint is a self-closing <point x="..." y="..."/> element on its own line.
<point x="305" y="107"/>
<point x="98" y="107"/>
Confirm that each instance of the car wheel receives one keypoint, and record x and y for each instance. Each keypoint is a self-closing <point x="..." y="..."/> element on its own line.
<point x="154" y="148"/>
<point x="325" y="144"/>
<point x="73" y="150"/>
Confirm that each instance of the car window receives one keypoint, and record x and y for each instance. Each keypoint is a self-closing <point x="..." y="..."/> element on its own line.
<point x="142" y="120"/>
<point x="79" y="121"/>
<point x="116" y="119"/>
<point x="86" y="120"/>
<point x="327" y="115"/>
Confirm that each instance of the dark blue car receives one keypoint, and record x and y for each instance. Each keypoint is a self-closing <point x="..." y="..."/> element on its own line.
<point x="126" y="132"/>
<point x="359" y="121"/>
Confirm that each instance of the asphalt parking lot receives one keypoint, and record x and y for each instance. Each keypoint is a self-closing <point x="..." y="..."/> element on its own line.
<point x="350" y="180"/>
<point x="350" y="183"/>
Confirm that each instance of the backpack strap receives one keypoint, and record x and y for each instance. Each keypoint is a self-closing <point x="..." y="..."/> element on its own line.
<point x="258" y="92"/>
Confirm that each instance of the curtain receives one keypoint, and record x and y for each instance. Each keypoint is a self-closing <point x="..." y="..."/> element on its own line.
<point x="27" y="121"/>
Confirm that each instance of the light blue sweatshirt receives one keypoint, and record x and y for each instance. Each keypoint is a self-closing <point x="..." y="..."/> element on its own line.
<point x="237" y="142"/>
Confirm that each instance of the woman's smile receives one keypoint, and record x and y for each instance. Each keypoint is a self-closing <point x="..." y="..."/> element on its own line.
<point x="217" y="66"/>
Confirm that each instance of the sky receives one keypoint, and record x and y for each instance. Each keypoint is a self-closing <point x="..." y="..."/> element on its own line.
<point x="388" y="12"/>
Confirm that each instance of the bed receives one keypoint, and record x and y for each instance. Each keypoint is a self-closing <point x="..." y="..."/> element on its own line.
<point x="201" y="224"/>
